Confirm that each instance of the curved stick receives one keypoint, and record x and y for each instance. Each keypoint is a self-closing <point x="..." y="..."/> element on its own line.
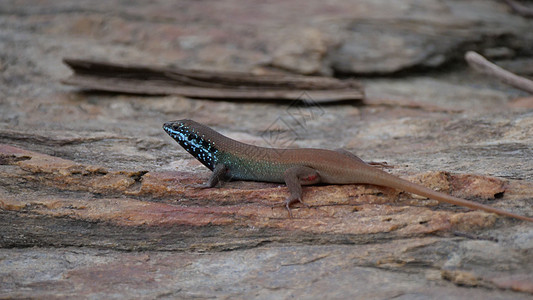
<point x="481" y="64"/>
<point x="520" y="9"/>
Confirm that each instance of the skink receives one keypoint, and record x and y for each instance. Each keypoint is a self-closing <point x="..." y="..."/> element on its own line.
<point x="233" y="160"/>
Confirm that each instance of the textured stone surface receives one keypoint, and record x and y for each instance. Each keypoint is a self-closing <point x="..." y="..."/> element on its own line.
<point x="407" y="269"/>
<point x="96" y="201"/>
<point x="429" y="34"/>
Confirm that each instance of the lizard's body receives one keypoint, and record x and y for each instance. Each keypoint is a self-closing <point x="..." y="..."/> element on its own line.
<point x="230" y="159"/>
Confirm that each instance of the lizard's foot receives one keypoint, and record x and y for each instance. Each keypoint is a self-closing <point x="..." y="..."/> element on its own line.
<point x="290" y="201"/>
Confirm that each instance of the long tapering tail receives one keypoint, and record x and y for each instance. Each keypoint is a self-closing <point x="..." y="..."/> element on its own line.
<point x="385" y="179"/>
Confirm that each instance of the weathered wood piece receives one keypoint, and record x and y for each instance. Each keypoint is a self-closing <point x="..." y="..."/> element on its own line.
<point x="147" y="80"/>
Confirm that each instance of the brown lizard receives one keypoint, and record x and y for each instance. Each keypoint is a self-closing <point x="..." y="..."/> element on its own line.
<point x="230" y="159"/>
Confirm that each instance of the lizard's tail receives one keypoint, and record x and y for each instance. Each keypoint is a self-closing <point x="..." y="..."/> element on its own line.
<point x="385" y="179"/>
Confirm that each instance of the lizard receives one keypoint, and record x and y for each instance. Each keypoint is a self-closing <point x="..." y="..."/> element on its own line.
<point x="233" y="160"/>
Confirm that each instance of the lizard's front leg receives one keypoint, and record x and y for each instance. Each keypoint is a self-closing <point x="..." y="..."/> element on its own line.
<point x="294" y="178"/>
<point x="219" y="174"/>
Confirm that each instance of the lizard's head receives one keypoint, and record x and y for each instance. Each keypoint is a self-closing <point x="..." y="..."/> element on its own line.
<point x="193" y="137"/>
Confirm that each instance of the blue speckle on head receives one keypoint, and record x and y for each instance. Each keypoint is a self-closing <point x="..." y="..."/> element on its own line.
<point x="193" y="142"/>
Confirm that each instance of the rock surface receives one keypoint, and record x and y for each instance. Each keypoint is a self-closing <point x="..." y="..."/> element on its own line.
<point x="96" y="201"/>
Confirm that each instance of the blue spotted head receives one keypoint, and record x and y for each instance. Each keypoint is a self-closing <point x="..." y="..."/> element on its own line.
<point x="195" y="139"/>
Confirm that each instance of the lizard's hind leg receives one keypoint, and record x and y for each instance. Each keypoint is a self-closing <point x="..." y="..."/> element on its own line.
<point x="295" y="177"/>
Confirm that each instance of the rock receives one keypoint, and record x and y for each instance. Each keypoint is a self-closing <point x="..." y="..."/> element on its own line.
<point x="302" y="52"/>
<point x="429" y="39"/>
<point x="96" y="201"/>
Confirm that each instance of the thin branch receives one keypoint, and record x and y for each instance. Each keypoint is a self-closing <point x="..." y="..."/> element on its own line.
<point x="481" y="64"/>
<point x="520" y="9"/>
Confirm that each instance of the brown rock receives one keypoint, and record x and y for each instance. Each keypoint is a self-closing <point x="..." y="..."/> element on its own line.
<point x="302" y="52"/>
<point x="460" y="277"/>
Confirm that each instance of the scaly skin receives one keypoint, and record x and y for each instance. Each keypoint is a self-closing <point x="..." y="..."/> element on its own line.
<point x="233" y="160"/>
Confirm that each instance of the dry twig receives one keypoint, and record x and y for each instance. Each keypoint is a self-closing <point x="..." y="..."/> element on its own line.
<point x="520" y="9"/>
<point x="481" y="64"/>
